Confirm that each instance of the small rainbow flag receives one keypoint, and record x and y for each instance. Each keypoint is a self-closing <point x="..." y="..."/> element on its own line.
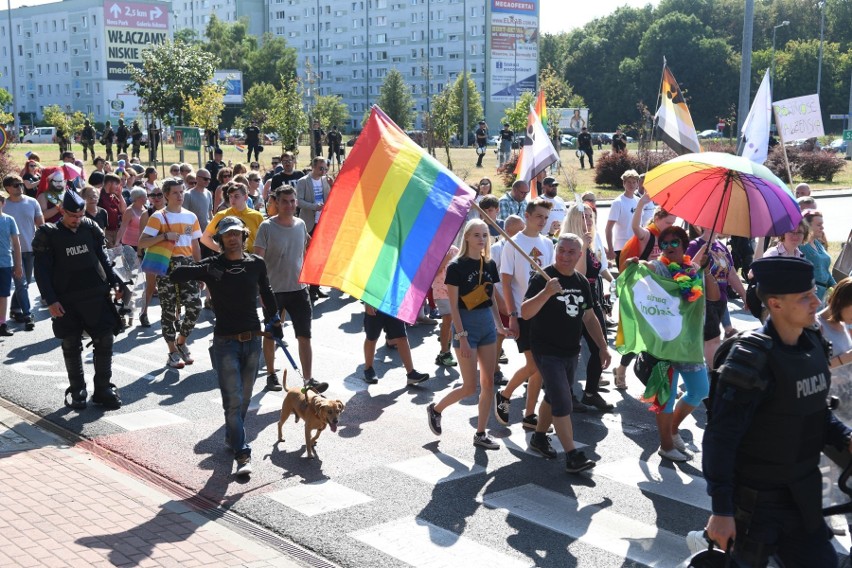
<point x="541" y="109"/>
<point x="391" y="216"/>
<point x="240" y="147"/>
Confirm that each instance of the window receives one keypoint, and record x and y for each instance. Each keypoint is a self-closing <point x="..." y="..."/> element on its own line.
<point x="49" y="90"/>
<point x="381" y="38"/>
<point x="86" y="86"/>
<point x="94" y="20"/>
<point x="86" y="66"/>
<point x="36" y="27"/>
<point x="38" y="67"/>
<point x="280" y="15"/>
<point x="95" y="40"/>
<point x="65" y="66"/>
<point x="85" y="21"/>
<point x="86" y="43"/>
<point x="38" y="49"/>
<point x="64" y="46"/>
<point x="40" y="90"/>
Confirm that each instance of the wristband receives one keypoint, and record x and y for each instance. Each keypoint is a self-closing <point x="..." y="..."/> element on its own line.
<point x="513" y="314"/>
<point x="460" y="334"/>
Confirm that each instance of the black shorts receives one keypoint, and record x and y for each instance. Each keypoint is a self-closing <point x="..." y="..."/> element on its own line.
<point x="298" y="305"/>
<point x="374" y="325"/>
<point x="713" y="313"/>
<point x="523" y="339"/>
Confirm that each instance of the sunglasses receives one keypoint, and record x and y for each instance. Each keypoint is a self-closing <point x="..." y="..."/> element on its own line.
<point x="670" y="244"/>
<point x="156" y="195"/>
<point x="323" y="169"/>
<point x="203" y="178"/>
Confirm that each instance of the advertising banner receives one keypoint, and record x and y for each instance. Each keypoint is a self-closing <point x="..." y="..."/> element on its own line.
<point x="232" y="80"/>
<point x="129" y="28"/>
<point x="514" y="49"/>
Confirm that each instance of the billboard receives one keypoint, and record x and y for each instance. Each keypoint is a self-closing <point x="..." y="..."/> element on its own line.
<point x="571" y="120"/>
<point x="513" y="67"/>
<point x="129" y="28"/>
<point x="121" y="103"/>
<point x="232" y="80"/>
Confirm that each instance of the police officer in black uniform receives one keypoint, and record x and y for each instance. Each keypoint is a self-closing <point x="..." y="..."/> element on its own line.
<point x="136" y="139"/>
<point x="253" y="140"/>
<point x="769" y="423"/>
<point x="74" y="277"/>
<point x="121" y="136"/>
<point x="87" y="139"/>
<point x="108" y="139"/>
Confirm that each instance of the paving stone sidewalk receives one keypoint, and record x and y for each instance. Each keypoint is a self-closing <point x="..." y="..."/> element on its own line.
<point x="63" y="506"/>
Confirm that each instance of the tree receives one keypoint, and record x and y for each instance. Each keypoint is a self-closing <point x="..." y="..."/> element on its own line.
<point x="257" y="104"/>
<point x="396" y="100"/>
<point x="330" y="110"/>
<point x="231" y="44"/>
<point x="443" y="122"/>
<point x="286" y="116"/>
<point x="187" y="35"/>
<point x="474" y="104"/>
<point x="518" y="115"/>
<point x="205" y="111"/>
<point x="171" y="74"/>
<point x="5" y="100"/>
<point x="269" y="62"/>
<point x="71" y="123"/>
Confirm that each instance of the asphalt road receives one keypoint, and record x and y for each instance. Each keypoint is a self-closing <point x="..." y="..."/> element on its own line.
<point x="384" y="490"/>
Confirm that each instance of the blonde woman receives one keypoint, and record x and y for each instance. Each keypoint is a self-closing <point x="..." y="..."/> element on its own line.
<point x="814" y="249"/>
<point x="580" y="220"/>
<point x="471" y="278"/>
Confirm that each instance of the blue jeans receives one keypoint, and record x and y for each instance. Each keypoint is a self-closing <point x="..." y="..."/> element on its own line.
<point x="21" y="298"/>
<point x="236" y="365"/>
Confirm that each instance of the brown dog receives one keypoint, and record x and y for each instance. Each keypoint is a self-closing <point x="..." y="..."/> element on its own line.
<point x="317" y="412"/>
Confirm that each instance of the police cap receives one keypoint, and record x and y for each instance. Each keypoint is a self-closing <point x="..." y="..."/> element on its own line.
<point x="71" y="202"/>
<point x="783" y="275"/>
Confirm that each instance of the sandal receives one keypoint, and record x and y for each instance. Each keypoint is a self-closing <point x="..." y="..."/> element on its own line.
<point x="621" y="377"/>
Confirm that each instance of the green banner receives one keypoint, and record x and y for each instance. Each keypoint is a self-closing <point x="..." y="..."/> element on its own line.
<point x="654" y="318"/>
<point x="187" y="138"/>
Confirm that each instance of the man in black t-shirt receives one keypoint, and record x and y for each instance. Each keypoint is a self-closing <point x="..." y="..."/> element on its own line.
<point x="213" y="166"/>
<point x="506" y="137"/>
<point x="481" y="141"/>
<point x="334" y="139"/>
<point x="238" y="276"/>
<point x="316" y="139"/>
<point x="619" y="141"/>
<point x="584" y="145"/>
<point x="253" y="140"/>
<point x="562" y="301"/>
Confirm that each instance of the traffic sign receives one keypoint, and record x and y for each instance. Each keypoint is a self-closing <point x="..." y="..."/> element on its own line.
<point x="847" y="134"/>
<point x="188" y="138"/>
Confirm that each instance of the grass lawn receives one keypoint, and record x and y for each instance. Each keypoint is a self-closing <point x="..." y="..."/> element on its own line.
<point x="463" y="159"/>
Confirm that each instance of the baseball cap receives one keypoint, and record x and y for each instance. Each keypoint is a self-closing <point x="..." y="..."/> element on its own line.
<point x="230" y="223"/>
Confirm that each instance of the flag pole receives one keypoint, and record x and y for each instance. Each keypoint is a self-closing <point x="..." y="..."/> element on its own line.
<point x="654" y="121"/>
<point x="509" y="239"/>
<point x="783" y="146"/>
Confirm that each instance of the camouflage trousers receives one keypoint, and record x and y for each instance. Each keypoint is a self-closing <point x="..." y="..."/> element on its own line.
<point x="173" y="297"/>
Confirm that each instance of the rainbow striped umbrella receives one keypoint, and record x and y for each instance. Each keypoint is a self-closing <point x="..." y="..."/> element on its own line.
<point x="726" y="193"/>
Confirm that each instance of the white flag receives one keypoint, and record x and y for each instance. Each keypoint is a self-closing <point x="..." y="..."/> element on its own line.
<point x="755" y="144"/>
<point x="537" y="153"/>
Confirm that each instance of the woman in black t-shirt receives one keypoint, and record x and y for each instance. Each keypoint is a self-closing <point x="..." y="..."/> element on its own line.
<point x="471" y="280"/>
<point x="558" y="307"/>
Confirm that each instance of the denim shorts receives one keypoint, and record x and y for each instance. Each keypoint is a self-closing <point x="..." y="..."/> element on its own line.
<point x="480" y="328"/>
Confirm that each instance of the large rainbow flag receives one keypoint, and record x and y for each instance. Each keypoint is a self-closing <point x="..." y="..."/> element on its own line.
<point x="391" y="216"/>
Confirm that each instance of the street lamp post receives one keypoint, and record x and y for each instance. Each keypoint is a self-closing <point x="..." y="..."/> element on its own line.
<point x="772" y="67"/>
<point x="515" y="45"/>
<point x="821" y="36"/>
<point x="15" y="117"/>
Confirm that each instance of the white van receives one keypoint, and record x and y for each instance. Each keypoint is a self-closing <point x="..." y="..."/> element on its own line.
<point x="41" y="135"/>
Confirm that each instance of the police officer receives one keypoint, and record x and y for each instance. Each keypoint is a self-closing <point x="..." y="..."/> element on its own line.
<point x="768" y="425"/>
<point x="136" y="139"/>
<point x="74" y="277"/>
<point x="253" y="140"/>
<point x="108" y="139"/>
<point x="121" y="136"/>
<point x="87" y="139"/>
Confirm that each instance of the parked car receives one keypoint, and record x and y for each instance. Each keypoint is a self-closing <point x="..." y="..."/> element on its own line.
<point x="709" y="134"/>
<point x="41" y="135"/>
<point x="837" y="145"/>
<point x="568" y="141"/>
<point x="601" y="137"/>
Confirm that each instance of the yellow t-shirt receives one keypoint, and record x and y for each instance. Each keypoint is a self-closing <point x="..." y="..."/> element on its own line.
<point x="249" y="216"/>
<point x="184" y="223"/>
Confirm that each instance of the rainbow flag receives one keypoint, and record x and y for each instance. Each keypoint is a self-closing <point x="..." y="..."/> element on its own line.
<point x="391" y="216"/>
<point x="240" y="147"/>
<point x="541" y="109"/>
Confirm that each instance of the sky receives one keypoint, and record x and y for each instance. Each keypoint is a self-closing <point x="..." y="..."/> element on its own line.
<point x="565" y="15"/>
<point x="556" y="15"/>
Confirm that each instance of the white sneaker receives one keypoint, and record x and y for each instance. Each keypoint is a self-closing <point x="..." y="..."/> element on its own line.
<point x="679" y="444"/>
<point x="673" y="454"/>
<point x="696" y="542"/>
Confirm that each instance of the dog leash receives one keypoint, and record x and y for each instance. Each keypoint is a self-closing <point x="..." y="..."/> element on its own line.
<point x="280" y="343"/>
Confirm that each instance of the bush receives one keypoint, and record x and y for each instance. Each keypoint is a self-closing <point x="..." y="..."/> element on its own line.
<point x="6" y="165"/>
<point x="812" y="165"/>
<point x="506" y="172"/>
<point x="609" y="165"/>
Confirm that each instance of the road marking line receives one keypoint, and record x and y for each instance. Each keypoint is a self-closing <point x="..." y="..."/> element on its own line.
<point x="437" y="468"/>
<point x="659" y="479"/>
<point x="423" y="545"/>
<point x="589" y="524"/>
<point x="143" y="419"/>
<point x="319" y="497"/>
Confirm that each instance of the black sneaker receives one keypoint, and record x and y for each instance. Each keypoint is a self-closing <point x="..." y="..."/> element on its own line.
<point x="316" y="385"/>
<point x="272" y="383"/>
<point x="5" y="331"/>
<point x="370" y="376"/>
<point x="578" y="407"/>
<point x="243" y="465"/>
<point x="576" y="461"/>
<point x="143" y="320"/>
<point x="501" y="408"/>
<point x="415" y="378"/>
<point x="483" y="440"/>
<point x="531" y="423"/>
<point x="499" y="379"/>
<point x="434" y="419"/>
<point x="29" y="323"/>
<point x="540" y="442"/>
<point x="108" y="398"/>
<point x="445" y="359"/>
<point x="77" y="399"/>
<point x="597" y="401"/>
<point x="503" y="359"/>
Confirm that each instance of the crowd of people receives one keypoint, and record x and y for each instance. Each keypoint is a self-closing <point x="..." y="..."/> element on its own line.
<point x="530" y="270"/>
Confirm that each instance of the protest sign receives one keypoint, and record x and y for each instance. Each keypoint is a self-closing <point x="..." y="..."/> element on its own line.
<point x="798" y="118"/>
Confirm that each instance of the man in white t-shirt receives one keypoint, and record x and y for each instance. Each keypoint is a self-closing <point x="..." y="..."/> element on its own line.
<point x="619" y="226"/>
<point x="549" y="188"/>
<point x="515" y="273"/>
